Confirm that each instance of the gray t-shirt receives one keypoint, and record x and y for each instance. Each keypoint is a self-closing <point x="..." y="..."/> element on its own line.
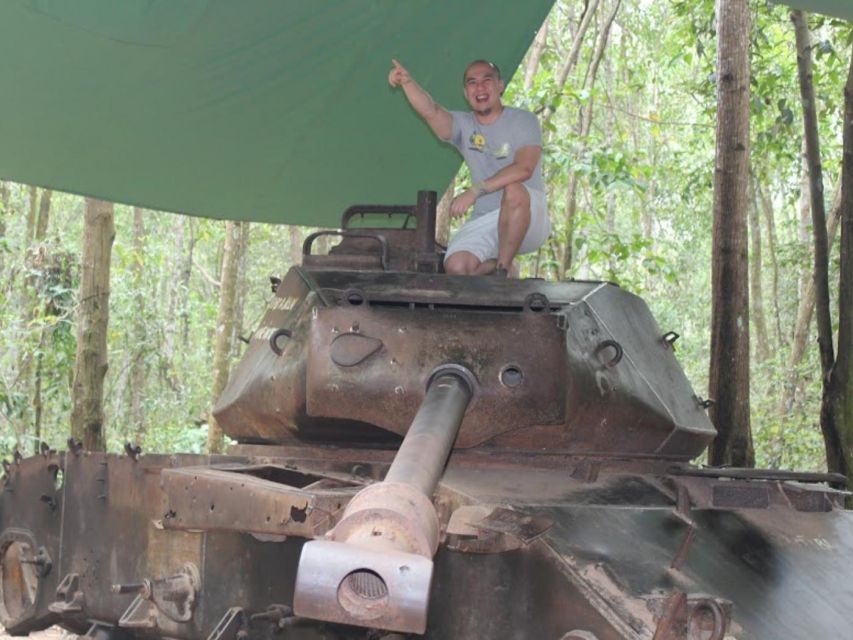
<point x="488" y="148"/>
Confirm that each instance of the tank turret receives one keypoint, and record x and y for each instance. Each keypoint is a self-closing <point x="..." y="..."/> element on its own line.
<point x="344" y="356"/>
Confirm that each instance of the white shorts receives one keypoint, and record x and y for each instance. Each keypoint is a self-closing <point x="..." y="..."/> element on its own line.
<point x="480" y="235"/>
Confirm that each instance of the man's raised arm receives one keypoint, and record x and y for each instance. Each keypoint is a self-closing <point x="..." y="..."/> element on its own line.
<point x="437" y="117"/>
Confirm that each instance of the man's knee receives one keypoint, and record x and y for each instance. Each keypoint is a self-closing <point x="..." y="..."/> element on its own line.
<point x="515" y="196"/>
<point x="461" y="263"/>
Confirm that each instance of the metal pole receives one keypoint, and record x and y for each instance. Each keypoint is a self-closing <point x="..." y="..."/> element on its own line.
<point x="420" y="460"/>
<point x="425" y="232"/>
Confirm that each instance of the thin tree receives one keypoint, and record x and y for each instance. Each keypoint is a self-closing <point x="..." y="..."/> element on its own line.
<point x="805" y="311"/>
<point x="5" y="197"/>
<point x="138" y="329"/>
<point x="841" y="377"/>
<point x="831" y="437"/>
<point x="535" y="55"/>
<point x="43" y="217"/>
<point x="174" y="290"/>
<point x="770" y="225"/>
<point x="729" y="367"/>
<point x="32" y="214"/>
<point x="584" y="126"/>
<point x="224" y="325"/>
<point x="756" y="290"/>
<point x="41" y="224"/>
<point x="240" y="297"/>
<point x="90" y="368"/>
<point x="571" y="57"/>
<point x="295" y="243"/>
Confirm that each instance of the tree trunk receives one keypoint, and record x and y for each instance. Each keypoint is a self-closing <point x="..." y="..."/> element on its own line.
<point x="535" y="55"/>
<point x="805" y="283"/>
<point x="87" y="414"/>
<point x="650" y="207"/>
<point x="32" y="214"/>
<point x="583" y="138"/>
<point x="571" y="58"/>
<point x="805" y="311"/>
<point x="841" y="379"/>
<point x="610" y="209"/>
<point x="184" y="289"/>
<point x="138" y="353"/>
<point x="43" y="215"/>
<point x="804" y="233"/>
<point x="295" y="241"/>
<point x="242" y="289"/>
<point x="770" y="224"/>
<point x="729" y="370"/>
<point x="4" y="206"/>
<point x="755" y="271"/>
<point x="4" y="214"/>
<point x="38" y="405"/>
<point x="831" y="435"/>
<point x="224" y="326"/>
<point x="172" y="291"/>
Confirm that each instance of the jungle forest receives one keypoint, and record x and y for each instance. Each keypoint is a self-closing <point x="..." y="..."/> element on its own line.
<point x="630" y="96"/>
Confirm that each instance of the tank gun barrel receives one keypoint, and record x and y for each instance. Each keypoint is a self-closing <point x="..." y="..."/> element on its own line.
<point x="375" y="569"/>
<point x="421" y="457"/>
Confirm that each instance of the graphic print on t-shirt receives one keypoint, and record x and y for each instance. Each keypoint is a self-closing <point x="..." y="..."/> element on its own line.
<point x="477" y="142"/>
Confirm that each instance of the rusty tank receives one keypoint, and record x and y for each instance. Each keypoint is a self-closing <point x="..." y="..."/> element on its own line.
<point x="424" y="455"/>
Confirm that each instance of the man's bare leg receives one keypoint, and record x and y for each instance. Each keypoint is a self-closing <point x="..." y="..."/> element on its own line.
<point x="513" y="223"/>
<point x="461" y="263"/>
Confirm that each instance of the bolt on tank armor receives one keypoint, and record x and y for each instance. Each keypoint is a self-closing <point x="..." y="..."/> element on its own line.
<point x="424" y="455"/>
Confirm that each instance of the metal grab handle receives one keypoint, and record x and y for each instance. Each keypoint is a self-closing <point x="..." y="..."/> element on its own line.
<point x="383" y="243"/>
<point x="617" y="357"/>
<point x="670" y="337"/>
<point x="537" y="302"/>
<point x="281" y="333"/>
<point x="389" y="209"/>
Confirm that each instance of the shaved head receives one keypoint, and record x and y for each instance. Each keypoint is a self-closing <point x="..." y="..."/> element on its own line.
<point x="487" y="63"/>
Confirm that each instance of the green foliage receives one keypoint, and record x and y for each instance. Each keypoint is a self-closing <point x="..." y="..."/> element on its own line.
<point x="645" y="176"/>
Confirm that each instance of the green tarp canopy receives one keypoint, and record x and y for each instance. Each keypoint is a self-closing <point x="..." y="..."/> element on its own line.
<point x="265" y="110"/>
<point x="268" y="110"/>
<point x="838" y="8"/>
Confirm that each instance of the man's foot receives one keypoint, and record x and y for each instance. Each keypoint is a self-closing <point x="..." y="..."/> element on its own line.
<point x="486" y="268"/>
<point x="491" y="267"/>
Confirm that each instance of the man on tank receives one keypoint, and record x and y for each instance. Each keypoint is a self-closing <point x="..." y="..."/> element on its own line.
<point x="502" y="147"/>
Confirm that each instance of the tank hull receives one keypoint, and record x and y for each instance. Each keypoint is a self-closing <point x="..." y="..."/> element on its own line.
<point x="530" y="548"/>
